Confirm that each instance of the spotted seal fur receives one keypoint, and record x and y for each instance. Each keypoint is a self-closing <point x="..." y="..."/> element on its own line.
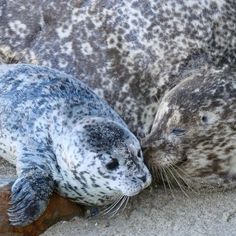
<point x="63" y="137"/>
<point x="129" y="52"/>
<point x="134" y="53"/>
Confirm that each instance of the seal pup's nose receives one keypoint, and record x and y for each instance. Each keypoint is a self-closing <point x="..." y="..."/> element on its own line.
<point x="143" y="178"/>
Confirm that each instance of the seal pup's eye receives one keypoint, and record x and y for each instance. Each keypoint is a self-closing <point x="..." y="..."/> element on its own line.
<point x="113" y="164"/>
<point x="178" y="131"/>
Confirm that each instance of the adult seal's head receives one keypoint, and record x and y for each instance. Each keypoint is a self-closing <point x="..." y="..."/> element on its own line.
<point x="194" y="132"/>
<point x="63" y="137"/>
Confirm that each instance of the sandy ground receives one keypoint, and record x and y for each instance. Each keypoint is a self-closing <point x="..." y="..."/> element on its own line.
<point x="157" y="212"/>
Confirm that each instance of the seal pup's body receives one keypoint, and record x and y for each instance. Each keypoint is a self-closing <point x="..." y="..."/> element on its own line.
<point x="63" y="137"/>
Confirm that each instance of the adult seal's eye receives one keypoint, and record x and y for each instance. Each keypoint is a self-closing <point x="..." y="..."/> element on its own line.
<point x="178" y="131"/>
<point x="204" y="119"/>
<point x="112" y="165"/>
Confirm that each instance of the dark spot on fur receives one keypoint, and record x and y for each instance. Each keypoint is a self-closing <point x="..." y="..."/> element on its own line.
<point x="229" y="149"/>
<point x="112" y="41"/>
<point x="104" y="136"/>
<point x="211" y="156"/>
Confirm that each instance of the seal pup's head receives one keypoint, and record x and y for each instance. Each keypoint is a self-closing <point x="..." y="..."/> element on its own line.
<point x="195" y="130"/>
<point x="101" y="161"/>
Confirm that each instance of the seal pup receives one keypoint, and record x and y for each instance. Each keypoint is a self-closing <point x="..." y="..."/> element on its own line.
<point x="193" y="138"/>
<point x="63" y="137"/>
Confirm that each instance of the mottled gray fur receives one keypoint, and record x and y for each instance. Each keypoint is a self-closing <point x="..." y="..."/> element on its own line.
<point x="61" y="136"/>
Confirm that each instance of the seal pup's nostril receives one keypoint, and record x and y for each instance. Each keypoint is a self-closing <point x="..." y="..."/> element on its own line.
<point x="143" y="178"/>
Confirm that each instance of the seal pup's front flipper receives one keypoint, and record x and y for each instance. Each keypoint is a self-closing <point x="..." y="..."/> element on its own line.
<point x="29" y="197"/>
<point x="30" y="192"/>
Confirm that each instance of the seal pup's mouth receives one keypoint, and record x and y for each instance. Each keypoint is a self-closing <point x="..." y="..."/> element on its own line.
<point x="120" y="203"/>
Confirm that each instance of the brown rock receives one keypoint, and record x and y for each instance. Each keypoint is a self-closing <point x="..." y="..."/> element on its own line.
<point x="58" y="209"/>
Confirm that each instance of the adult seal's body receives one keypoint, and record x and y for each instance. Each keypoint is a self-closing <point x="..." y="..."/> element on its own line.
<point x="140" y="55"/>
<point x="63" y="137"/>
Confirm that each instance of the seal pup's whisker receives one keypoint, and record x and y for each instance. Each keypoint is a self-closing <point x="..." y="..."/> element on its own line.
<point x="126" y="202"/>
<point x="119" y="207"/>
<point x="110" y="207"/>
<point x="116" y="207"/>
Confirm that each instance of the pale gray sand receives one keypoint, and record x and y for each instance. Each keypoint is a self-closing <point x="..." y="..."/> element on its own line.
<point x="156" y="212"/>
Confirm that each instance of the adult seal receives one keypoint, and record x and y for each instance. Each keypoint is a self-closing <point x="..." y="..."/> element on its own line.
<point x="192" y="140"/>
<point x="63" y="137"/>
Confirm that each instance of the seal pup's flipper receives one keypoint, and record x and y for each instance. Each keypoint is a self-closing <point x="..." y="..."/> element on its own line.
<point x="29" y="196"/>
